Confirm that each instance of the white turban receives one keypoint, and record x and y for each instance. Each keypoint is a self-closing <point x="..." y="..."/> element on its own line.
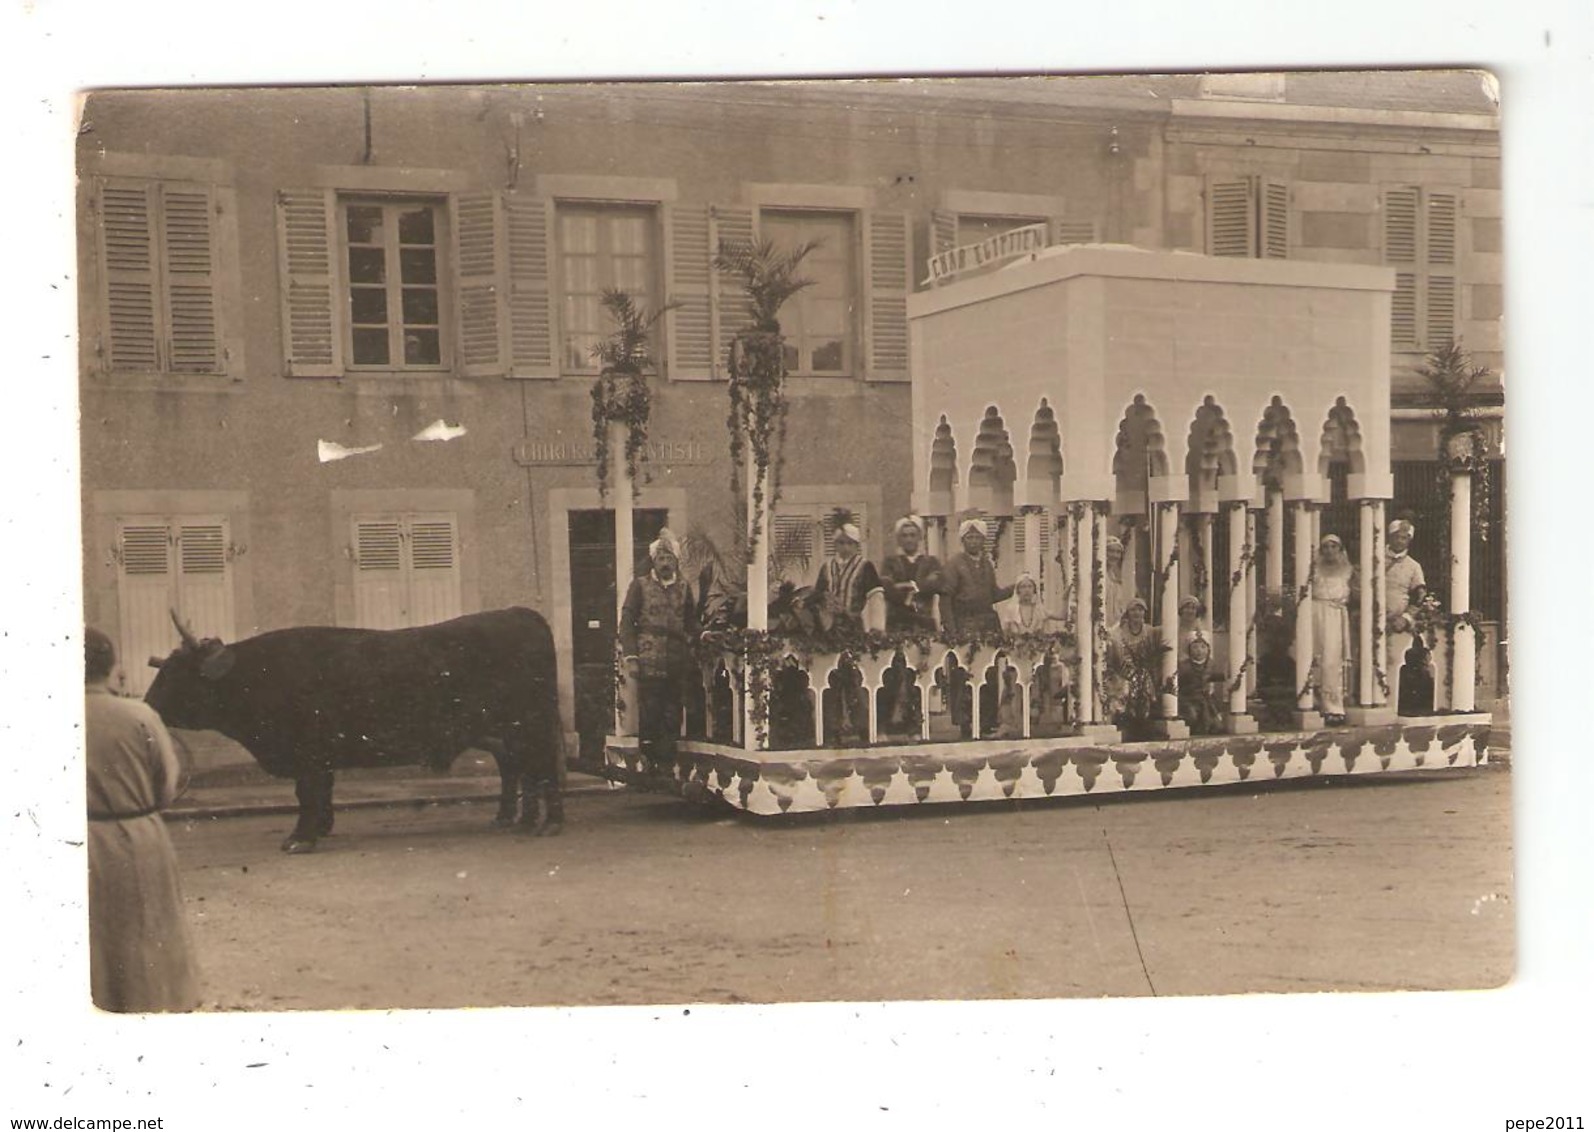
<point x="1114" y="542"/>
<point x="665" y="542"/>
<point x="909" y="521"/>
<point x="1402" y="525"/>
<point x="971" y="525"/>
<point x="850" y="530"/>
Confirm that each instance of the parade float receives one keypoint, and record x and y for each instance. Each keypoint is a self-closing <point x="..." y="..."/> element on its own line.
<point x="1195" y="411"/>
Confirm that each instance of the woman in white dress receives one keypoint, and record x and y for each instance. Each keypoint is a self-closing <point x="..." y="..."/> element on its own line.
<point x="1332" y="588"/>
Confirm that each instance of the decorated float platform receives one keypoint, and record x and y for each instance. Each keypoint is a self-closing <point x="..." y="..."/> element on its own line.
<point x="771" y="783"/>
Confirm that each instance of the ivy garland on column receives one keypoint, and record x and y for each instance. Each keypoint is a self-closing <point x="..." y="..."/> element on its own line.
<point x="621" y="394"/>
<point x="1236" y="580"/>
<point x="1380" y="676"/>
<point x="767" y="276"/>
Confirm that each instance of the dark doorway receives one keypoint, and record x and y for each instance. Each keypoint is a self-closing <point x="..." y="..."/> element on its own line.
<point x="593" y="595"/>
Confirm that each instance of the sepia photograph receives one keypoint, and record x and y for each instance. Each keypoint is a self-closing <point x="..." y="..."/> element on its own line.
<point x="863" y="540"/>
<point x="889" y="565"/>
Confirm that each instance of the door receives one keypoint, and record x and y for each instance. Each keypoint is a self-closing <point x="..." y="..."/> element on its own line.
<point x="593" y="597"/>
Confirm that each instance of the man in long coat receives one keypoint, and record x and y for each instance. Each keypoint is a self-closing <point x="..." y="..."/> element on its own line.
<point x="912" y="579"/>
<point x="1404" y="588"/>
<point x="968" y="585"/>
<point x="657" y="627"/>
<point x="140" y="955"/>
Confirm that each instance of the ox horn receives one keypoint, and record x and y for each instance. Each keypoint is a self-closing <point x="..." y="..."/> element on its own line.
<point x="156" y="661"/>
<point x="189" y="640"/>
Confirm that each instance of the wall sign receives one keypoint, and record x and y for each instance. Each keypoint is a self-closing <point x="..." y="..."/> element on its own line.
<point x="557" y="453"/>
<point x="1005" y="245"/>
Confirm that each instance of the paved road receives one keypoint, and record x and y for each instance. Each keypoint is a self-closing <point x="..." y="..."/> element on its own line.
<point x="1371" y="885"/>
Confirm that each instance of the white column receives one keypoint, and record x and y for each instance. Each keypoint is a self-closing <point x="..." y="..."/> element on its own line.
<point x="1084" y="552"/>
<point x="1253" y="600"/>
<point x="1168" y="539"/>
<point x="1378" y="619"/>
<point x="758" y="568"/>
<point x="934" y="536"/>
<point x="1275" y="542"/>
<point x="1305" y="644"/>
<point x="1464" y="657"/>
<point x="620" y="488"/>
<point x="1367" y="683"/>
<point x="1239" y="615"/>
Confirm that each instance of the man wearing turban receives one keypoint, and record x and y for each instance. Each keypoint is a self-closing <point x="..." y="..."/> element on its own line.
<point x="912" y="579"/>
<point x="969" y="585"/>
<point x="845" y="580"/>
<point x="657" y="624"/>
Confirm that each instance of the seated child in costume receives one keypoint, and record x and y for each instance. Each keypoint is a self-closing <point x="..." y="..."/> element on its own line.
<point x="1198" y="705"/>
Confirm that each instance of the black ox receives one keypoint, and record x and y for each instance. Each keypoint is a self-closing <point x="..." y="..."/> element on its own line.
<point x="308" y="701"/>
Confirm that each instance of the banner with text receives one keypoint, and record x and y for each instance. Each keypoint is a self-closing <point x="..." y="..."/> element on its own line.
<point x="1006" y="245"/>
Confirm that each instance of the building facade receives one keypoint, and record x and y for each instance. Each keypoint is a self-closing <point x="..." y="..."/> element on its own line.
<point x="336" y="349"/>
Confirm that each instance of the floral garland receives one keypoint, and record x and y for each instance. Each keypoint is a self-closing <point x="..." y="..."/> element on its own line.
<point x="1098" y="610"/>
<point x="1199" y="561"/>
<point x="1378" y="615"/>
<point x="757" y="418"/>
<point x="624" y="398"/>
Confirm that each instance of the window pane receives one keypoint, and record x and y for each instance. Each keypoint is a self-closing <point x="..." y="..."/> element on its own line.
<point x="365" y="224"/>
<point x="830" y="356"/>
<point x="368" y="305"/>
<point x="578" y="234"/>
<point x="578" y="351"/>
<point x="789" y="352"/>
<point x="581" y="275"/>
<point x="415" y="226"/>
<point x="422" y="348"/>
<point x="370" y="347"/>
<point x="826" y="317"/>
<point x="367" y="265"/>
<point x="419" y="265"/>
<point x="420" y="306"/>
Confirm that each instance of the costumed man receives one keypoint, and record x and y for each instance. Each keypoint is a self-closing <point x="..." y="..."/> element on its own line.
<point x="846" y="583"/>
<point x="657" y="627"/>
<point x="912" y="579"/>
<point x="141" y="957"/>
<point x="969" y="594"/>
<point x="1404" y="588"/>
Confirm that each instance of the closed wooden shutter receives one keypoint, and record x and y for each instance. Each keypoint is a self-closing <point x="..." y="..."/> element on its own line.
<point x="204" y="582"/>
<point x="479" y="261"/>
<point x="943" y="231"/>
<point x="533" y="324"/>
<point x="1273" y="236"/>
<point x="888" y="258"/>
<point x="1231" y="217"/>
<point x="128" y="253"/>
<point x="433" y="545"/>
<point x="188" y="243"/>
<point x="1063" y="230"/>
<point x="1439" y="313"/>
<point x="794" y="545"/>
<point x="689" y="326"/>
<point x="1400" y="251"/>
<point x="379" y="573"/>
<point x="312" y="342"/>
<point x="729" y="226"/>
<point x="406" y="570"/>
<point x="146" y="594"/>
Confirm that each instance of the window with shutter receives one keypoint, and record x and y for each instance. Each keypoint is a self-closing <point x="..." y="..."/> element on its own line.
<point x="1420" y="234"/>
<point x="157" y="253"/>
<point x="532" y="322"/>
<point x="406" y="570"/>
<point x="890" y="264"/>
<point x="170" y="564"/>
<point x="392" y="266"/>
<point x="1070" y="231"/>
<point x="689" y="325"/>
<point x="728" y="226"/>
<point x="481" y="287"/>
<point x="601" y="246"/>
<point x="1248" y="217"/>
<point x="311" y="340"/>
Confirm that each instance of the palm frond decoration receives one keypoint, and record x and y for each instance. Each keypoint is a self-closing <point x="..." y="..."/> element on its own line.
<point x="768" y="275"/>
<point x="626" y="347"/>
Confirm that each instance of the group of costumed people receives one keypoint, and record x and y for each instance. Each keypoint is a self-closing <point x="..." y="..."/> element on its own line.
<point x="659" y="623"/>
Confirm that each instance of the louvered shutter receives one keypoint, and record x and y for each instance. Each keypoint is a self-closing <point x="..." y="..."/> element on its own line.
<point x="1273" y="237"/>
<point x="312" y="339"/>
<point x="888" y="257"/>
<point x="1440" y="309"/>
<point x="728" y="226"/>
<point x="1231" y="217"/>
<point x="128" y="253"/>
<point x="188" y="246"/>
<point x="1400" y="252"/>
<point x="792" y="545"/>
<point x="688" y="327"/>
<point x="204" y="582"/>
<point x="1062" y="230"/>
<point x="532" y="322"/>
<point x="146" y="595"/>
<point x="478" y="260"/>
<point x="379" y="573"/>
<point x="433" y="550"/>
